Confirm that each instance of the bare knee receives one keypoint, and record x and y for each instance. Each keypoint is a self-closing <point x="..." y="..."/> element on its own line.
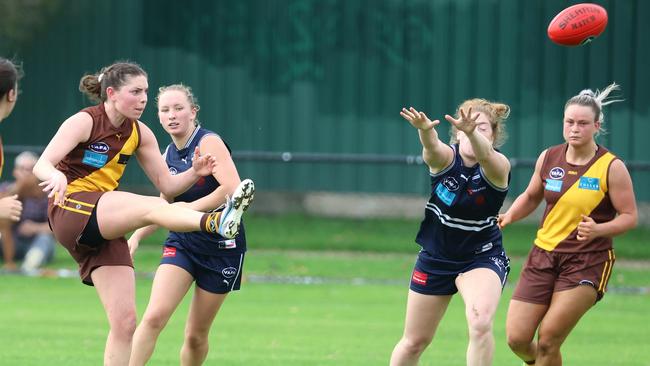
<point x="123" y="326"/>
<point x="196" y="340"/>
<point x="518" y="343"/>
<point x="548" y="345"/>
<point x="480" y="326"/>
<point x="517" y="339"/>
<point x="155" y="320"/>
<point x="479" y="323"/>
<point x="414" y="345"/>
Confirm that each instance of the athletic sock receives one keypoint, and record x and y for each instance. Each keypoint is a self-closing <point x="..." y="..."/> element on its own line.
<point x="210" y="222"/>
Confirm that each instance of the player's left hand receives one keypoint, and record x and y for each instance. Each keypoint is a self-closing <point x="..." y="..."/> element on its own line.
<point x="587" y="229"/>
<point x="204" y="165"/>
<point x="466" y="122"/>
<point x="504" y="220"/>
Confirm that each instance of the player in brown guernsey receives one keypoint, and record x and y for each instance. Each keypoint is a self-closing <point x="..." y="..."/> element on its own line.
<point x="10" y="206"/>
<point x="589" y="199"/>
<point x="81" y="168"/>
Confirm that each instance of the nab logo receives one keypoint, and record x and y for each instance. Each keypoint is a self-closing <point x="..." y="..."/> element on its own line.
<point x="419" y="277"/>
<point x="556" y="173"/>
<point x="229" y="272"/>
<point x="99" y="147"/>
<point x="169" y="252"/>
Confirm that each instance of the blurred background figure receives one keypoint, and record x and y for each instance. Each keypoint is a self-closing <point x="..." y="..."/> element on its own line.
<point x="10" y="73"/>
<point x="30" y="239"/>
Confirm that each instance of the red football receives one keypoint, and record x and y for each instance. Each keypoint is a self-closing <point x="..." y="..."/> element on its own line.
<point x="578" y="24"/>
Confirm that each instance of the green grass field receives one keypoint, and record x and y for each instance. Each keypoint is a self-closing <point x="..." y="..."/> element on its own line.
<point x="351" y="314"/>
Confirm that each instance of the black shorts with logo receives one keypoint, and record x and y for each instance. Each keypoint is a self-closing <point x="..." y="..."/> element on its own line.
<point x="437" y="276"/>
<point x="218" y="274"/>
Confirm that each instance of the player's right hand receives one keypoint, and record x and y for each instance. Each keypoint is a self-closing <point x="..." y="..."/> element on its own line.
<point x="56" y="186"/>
<point x="417" y="119"/>
<point x="10" y="208"/>
<point x="204" y="165"/>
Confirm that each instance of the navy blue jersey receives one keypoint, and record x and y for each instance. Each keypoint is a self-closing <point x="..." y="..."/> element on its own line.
<point x="460" y="220"/>
<point x="179" y="161"/>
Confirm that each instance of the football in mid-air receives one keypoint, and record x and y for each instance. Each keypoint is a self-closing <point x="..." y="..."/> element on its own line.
<point x="578" y="24"/>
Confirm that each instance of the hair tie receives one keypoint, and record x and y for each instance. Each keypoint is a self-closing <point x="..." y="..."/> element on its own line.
<point x="100" y="77"/>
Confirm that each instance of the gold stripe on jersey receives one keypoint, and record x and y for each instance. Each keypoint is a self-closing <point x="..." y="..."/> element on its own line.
<point x="81" y="203"/>
<point x="607" y="271"/>
<point x="564" y="217"/>
<point x="77" y="206"/>
<point x="75" y="210"/>
<point x="107" y="177"/>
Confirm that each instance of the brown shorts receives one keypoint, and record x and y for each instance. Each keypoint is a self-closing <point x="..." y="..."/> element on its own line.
<point x="546" y="272"/>
<point x="68" y="223"/>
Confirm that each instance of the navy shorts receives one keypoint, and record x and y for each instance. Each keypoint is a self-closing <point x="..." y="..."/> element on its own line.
<point x="436" y="276"/>
<point x="215" y="274"/>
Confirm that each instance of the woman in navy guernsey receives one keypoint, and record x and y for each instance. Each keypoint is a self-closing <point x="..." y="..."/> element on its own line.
<point x="460" y="240"/>
<point x="10" y="206"/>
<point x="589" y="199"/>
<point x="213" y="263"/>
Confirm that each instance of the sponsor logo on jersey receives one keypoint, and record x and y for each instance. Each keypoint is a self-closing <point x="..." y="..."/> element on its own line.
<point x="556" y="173"/>
<point x="99" y="147"/>
<point x="553" y="185"/>
<point x="94" y="159"/>
<point x="419" y="277"/>
<point x="471" y="191"/>
<point x="445" y="196"/>
<point x="476" y="178"/>
<point x="451" y="183"/>
<point x="229" y="272"/>
<point x="173" y="170"/>
<point x="123" y="159"/>
<point x="588" y="183"/>
<point x="169" y="252"/>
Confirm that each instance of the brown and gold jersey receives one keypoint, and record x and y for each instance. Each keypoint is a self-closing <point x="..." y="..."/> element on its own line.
<point x="98" y="164"/>
<point x="571" y="191"/>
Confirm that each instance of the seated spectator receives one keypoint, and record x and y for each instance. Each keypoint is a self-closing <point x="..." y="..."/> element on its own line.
<point x="30" y="239"/>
